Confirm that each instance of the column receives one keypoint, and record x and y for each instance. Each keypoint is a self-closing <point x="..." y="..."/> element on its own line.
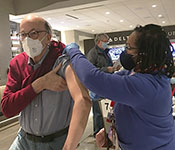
<point x="5" y="46"/>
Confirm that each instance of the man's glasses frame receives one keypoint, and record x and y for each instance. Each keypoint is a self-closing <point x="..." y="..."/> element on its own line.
<point x="32" y="34"/>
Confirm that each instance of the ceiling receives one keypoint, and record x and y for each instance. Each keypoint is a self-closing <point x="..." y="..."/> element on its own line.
<point x="107" y="15"/>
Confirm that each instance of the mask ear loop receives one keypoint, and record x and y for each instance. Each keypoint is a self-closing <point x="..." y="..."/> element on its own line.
<point x="43" y="39"/>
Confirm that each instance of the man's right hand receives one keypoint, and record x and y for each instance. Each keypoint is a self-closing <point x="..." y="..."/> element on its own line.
<point x="110" y="69"/>
<point x="50" y="81"/>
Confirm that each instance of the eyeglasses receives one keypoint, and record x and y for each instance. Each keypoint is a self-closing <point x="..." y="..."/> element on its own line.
<point x="32" y="34"/>
<point x="127" y="47"/>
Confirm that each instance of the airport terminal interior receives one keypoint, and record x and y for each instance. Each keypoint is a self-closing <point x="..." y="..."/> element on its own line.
<point x="78" y="21"/>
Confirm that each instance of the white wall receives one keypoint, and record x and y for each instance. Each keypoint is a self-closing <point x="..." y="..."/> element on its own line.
<point x="5" y="47"/>
<point x="81" y="44"/>
<point x="6" y="6"/>
<point x="68" y="37"/>
<point x="73" y="36"/>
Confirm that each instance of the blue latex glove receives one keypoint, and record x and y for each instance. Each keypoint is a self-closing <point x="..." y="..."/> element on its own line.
<point x="70" y="46"/>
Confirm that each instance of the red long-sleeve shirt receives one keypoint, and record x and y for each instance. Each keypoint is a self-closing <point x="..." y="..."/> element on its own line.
<point x="16" y="98"/>
<point x="19" y="92"/>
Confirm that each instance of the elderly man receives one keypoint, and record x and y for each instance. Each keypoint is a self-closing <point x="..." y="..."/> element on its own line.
<point x="40" y="94"/>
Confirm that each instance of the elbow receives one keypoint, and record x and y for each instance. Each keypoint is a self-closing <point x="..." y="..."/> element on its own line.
<point x="88" y="102"/>
<point x="5" y="110"/>
<point x="85" y="102"/>
<point x="7" y="115"/>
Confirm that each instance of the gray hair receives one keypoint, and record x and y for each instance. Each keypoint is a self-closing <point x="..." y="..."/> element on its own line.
<point x="48" y="27"/>
<point x="100" y="37"/>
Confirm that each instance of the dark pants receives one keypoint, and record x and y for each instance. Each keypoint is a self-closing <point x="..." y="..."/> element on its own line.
<point x="98" y="123"/>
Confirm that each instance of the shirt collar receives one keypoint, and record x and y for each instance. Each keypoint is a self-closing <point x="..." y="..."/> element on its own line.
<point x="35" y="66"/>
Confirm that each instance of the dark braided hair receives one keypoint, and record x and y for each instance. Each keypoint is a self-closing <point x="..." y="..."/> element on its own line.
<point x="154" y="50"/>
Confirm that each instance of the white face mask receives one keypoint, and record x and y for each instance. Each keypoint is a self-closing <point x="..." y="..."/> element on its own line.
<point x="32" y="47"/>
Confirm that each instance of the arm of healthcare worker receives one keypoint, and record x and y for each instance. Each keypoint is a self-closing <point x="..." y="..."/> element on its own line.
<point x="81" y="109"/>
<point x="126" y="89"/>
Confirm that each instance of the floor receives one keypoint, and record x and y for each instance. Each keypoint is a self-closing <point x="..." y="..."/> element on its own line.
<point x="8" y="133"/>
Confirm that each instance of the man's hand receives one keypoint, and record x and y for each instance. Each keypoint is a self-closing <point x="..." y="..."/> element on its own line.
<point x="53" y="81"/>
<point x="50" y="81"/>
<point x="70" y="46"/>
<point x="117" y="68"/>
<point x="110" y="69"/>
<point x="100" y="138"/>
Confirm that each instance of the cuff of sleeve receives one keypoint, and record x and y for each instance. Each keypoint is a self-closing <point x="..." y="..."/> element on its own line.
<point x="65" y="61"/>
<point x="104" y="69"/>
<point x="31" y="93"/>
<point x="73" y="52"/>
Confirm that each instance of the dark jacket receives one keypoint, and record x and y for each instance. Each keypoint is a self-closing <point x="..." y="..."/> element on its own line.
<point x="99" y="58"/>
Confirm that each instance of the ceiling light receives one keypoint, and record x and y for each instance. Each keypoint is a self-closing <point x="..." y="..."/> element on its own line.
<point x="78" y="26"/>
<point x="160" y="16"/>
<point x="131" y="26"/>
<point x="107" y="13"/>
<point x="163" y="21"/>
<point x="48" y="18"/>
<point x="121" y="20"/>
<point x="71" y="16"/>
<point x="97" y="6"/>
<point x="93" y="30"/>
<point x="153" y="6"/>
<point x="62" y="22"/>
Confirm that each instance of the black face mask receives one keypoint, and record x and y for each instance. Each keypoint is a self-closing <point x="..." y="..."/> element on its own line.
<point x="127" y="60"/>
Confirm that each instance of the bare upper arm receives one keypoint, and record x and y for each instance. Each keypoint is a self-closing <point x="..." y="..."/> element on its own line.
<point x="76" y="88"/>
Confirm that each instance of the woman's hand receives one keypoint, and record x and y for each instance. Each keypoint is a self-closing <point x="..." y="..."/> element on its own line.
<point x="70" y="46"/>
